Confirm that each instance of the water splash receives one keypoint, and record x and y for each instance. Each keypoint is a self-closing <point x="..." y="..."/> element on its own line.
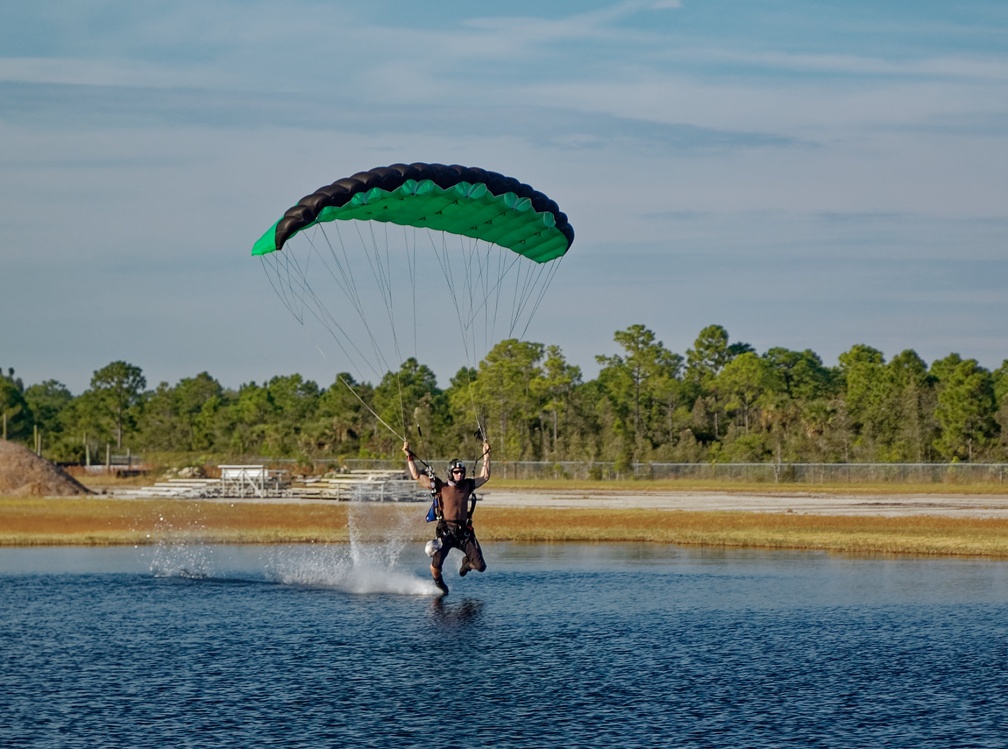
<point x="359" y="569"/>
<point x="372" y="562"/>
<point x="179" y="552"/>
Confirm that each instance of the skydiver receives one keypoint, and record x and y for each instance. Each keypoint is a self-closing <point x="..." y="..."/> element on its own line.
<point x="454" y="528"/>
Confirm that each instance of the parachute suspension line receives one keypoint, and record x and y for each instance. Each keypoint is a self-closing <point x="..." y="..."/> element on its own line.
<point x="370" y="252"/>
<point x="278" y="288"/>
<point x="532" y="283"/>
<point x="381" y="271"/>
<point x="532" y="276"/>
<point x="482" y="261"/>
<point x="495" y="289"/>
<point x="446" y="269"/>
<point x="298" y="286"/>
<point x="411" y="267"/>
<point x="371" y="410"/>
<point x="344" y="279"/>
<point x="550" y="275"/>
<point x="320" y="313"/>
<point x="342" y="275"/>
<point x="291" y="285"/>
<point x="464" y="321"/>
<point x="466" y="249"/>
<point x="390" y="307"/>
<point x="357" y="303"/>
<point x="501" y="271"/>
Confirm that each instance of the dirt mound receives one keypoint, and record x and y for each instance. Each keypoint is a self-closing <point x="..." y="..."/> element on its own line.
<point x="24" y="474"/>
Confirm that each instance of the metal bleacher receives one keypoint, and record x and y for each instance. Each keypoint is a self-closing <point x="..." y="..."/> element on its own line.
<point x="258" y="482"/>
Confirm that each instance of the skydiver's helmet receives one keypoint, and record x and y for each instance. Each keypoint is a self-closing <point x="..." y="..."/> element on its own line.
<point x="456" y="465"/>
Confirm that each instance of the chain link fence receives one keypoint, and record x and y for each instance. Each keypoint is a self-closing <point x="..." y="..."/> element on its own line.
<point x="769" y="473"/>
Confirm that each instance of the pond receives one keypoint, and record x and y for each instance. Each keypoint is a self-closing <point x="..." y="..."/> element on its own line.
<point x="555" y="645"/>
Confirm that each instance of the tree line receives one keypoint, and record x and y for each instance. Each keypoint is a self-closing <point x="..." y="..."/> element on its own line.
<point x="721" y="401"/>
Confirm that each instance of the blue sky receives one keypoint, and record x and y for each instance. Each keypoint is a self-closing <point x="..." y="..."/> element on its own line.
<point x="806" y="174"/>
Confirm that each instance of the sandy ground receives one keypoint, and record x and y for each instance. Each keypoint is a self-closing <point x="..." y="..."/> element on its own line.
<point x="974" y="506"/>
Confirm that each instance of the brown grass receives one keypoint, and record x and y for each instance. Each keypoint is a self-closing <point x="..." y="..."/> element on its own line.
<point x="100" y="520"/>
<point x="855" y="534"/>
<point x="103" y="521"/>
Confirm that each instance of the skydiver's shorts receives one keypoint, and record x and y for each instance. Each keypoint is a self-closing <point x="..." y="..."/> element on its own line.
<point x="463" y="539"/>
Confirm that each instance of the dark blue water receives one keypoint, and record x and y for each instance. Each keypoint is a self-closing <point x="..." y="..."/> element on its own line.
<point x="565" y="646"/>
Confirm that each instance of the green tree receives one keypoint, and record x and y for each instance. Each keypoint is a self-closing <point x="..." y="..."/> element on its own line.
<point x="181" y="418"/>
<point x="556" y="388"/>
<point x="504" y="390"/>
<point x="710" y="353"/>
<point x="341" y="419"/>
<point x="867" y="394"/>
<point x="641" y="376"/>
<point x="15" y="414"/>
<point x="742" y="382"/>
<point x="293" y="402"/>
<point x="1000" y="377"/>
<point x="912" y="405"/>
<point x="410" y="399"/>
<point x="47" y="401"/>
<point x="116" y="389"/>
<point x="245" y="420"/>
<point x="643" y="389"/>
<point x="160" y="426"/>
<point x="799" y="410"/>
<point x="800" y="374"/>
<point x="965" y="410"/>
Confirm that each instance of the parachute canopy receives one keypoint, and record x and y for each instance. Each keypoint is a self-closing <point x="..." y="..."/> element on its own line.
<point x="469" y="201"/>
<point x="415" y="263"/>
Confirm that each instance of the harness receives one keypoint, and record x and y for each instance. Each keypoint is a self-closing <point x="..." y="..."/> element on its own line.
<point x="458" y="533"/>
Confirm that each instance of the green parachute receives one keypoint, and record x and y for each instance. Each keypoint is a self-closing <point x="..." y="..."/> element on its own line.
<point x="421" y="262"/>
<point x="468" y="201"/>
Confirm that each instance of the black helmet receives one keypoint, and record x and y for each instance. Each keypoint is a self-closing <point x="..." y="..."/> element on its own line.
<point x="455" y="465"/>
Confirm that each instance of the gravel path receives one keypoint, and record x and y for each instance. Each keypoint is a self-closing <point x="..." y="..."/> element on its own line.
<point x="950" y="505"/>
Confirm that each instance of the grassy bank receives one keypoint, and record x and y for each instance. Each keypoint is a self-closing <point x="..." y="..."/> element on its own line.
<point x="107" y="521"/>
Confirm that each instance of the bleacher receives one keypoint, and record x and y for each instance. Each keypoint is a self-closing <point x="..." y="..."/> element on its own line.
<point x="362" y="486"/>
<point x="258" y="482"/>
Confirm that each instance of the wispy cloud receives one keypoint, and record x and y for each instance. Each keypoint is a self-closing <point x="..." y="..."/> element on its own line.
<point x="777" y="170"/>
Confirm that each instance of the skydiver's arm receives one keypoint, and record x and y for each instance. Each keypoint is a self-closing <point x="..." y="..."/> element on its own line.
<point x="484" y="474"/>
<point x="411" y="465"/>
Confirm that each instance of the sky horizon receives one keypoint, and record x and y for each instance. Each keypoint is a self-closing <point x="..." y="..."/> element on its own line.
<point x="812" y="175"/>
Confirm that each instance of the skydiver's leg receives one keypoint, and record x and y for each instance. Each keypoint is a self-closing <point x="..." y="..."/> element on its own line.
<point x="474" y="557"/>
<point x="437" y="562"/>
